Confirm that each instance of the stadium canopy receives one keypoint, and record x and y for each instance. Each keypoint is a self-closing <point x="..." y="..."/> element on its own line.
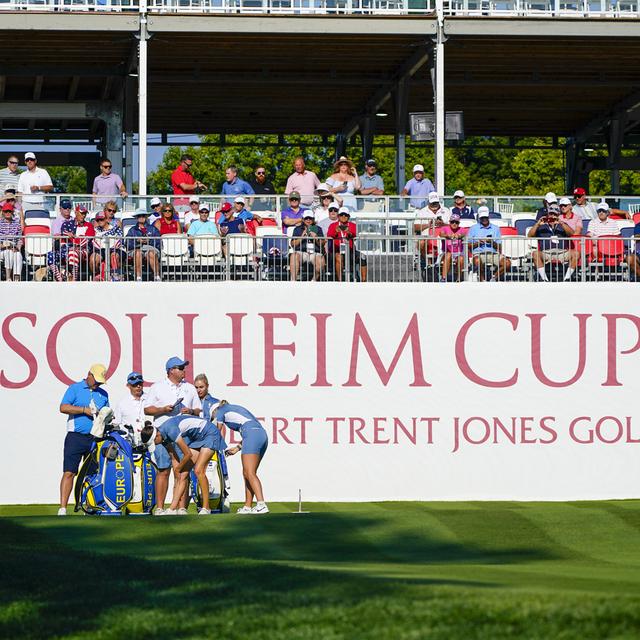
<point x="73" y="75"/>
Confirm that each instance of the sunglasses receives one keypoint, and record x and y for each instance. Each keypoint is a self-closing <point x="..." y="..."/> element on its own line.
<point x="344" y="214"/>
<point x="13" y="162"/>
<point x="112" y="210"/>
<point x="260" y="173"/>
<point x="454" y="222"/>
<point x="29" y="160"/>
<point x="180" y="368"/>
<point x="106" y="166"/>
<point x="167" y="211"/>
<point x="136" y="383"/>
<point x="188" y="165"/>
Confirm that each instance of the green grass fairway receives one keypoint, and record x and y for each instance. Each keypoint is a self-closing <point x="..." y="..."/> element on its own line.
<point x="376" y="570"/>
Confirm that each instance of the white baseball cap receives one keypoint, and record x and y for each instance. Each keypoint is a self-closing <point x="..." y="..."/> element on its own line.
<point x="483" y="212"/>
<point x="155" y="202"/>
<point x="194" y="199"/>
<point x="551" y="197"/>
<point x="418" y="167"/>
<point x="333" y="205"/>
<point x="602" y="206"/>
<point x="564" y="201"/>
<point x="239" y="200"/>
<point x="344" y="210"/>
<point x="204" y="207"/>
<point x="29" y="155"/>
<point x="459" y="194"/>
<point x="433" y="197"/>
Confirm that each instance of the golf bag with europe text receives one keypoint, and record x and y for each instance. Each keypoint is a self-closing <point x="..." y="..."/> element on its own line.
<point x="219" y="486"/>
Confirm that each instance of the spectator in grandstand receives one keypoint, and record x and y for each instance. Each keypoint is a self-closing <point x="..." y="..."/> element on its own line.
<point x="308" y="246"/>
<point x="203" y="226"/>
<point x="33" y="184"/>
<point x="292" y="215"/>
<point x="549" y="200"/>
<point x="182" y="181"/>
<point x="345" y="181"/>
<point x="569" y="218"/>
<point x="107" y="247"/>
<point x="239" y="206"/>
<point x="65" y="214"/>
<point x="10" y="196"/>
<point x="234" y="186"/>
<point x="143" y="245"/>
<point x="223" y="211"/>
<point x="193" y="213"/>
<point x="230" y="224"/>
<point x="262" y="186"/>
<point x="371" y="184"/>
<point x="485" y="240"/>
<point x="254" y="446"/>
<point x="321" y="212"/>
<point x="302" y="182"/>
<point x="454" y="248"/>
<point x="168" y="223"/>
<point x="332" y="216"/>
<point x="130" y="410"/>
<point x="11" y="231"/>
<point x="320" y="193"/>
<point x="201" y="383"/>
<point x="461" y="207"/>
<point x="73" y="248"/>
<point x="107" y="183"/>
<point x="110" y="210"/>
<point x="603" y="225"/>
<point x="166" y="399"/>
<point x="155" y="213"/>
<point x="10" y="175"/>
<point x="341" y="247"/>
<point x="81" y="403"/>
<point x="551" y="248"/>
<point x="418" y="187"/>
<point x="582" y="207"/>
<point x="435" y="214"/>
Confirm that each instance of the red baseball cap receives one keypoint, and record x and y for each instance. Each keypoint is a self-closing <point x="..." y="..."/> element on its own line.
<point x="8" y="206"/>
<point x="579" y="191"/>
<point x="101" y="215"/>
<point x="226" y="207"/>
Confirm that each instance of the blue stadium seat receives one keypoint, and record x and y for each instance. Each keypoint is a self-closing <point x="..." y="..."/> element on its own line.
<point x="36" y="213"/>
<point x="523" y="225"/>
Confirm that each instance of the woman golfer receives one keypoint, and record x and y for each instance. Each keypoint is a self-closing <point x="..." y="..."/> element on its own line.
<point x="253" y="447"/>
<point x="198" y="439"/>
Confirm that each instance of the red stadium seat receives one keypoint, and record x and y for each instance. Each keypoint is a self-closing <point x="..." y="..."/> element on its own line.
<point x="37" y="229"/>
<point x="508" y="231"/>
<point x="636" y="217"/>
<point x="611" y="249"/>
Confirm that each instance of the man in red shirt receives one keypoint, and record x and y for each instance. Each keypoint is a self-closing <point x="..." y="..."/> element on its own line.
<point x="342" y="234"/>
<point x="182" y="182"/>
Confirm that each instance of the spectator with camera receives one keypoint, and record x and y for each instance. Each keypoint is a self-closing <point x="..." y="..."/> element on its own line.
<point x="307" y="243"/>
<point x="341" y="249"/>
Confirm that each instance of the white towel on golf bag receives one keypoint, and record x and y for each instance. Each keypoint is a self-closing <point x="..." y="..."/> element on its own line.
<point x="102" y="420"/>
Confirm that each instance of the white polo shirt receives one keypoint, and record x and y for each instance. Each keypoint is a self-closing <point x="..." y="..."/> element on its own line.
<point x="598" y="228"/>
<point x="27" y="179"/>
<point x="130" y="411"/>
<point x="165" y="392"/>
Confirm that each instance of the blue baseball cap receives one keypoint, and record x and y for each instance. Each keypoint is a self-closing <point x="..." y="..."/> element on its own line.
<point x="175" y="362"/>
<point x="134" y="378"/>
<point x="66" y="204"/>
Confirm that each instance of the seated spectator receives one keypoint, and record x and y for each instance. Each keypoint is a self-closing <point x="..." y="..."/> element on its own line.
<point x="485" y="241"/>
<point x="453" y="248"/>
<point x="74" y="248"/>
<point x="307" y="244"/>
<point x="193" y="213"/>
<point x="302" y="181"/>
<point x="371" y="184"/>
<point x="10" y="196"/>
<point x="292" y="215"/>
<point x="633" y="259"/>
<point x="223" y="211"/>
<point x="582" y="207"/>
<point x="569" y="217"/>
<point x="418" y="187"/>
<point x="11" y="231"/>
<point x="461" y="207"/>
<point x="155" y="206"/>
<point x="321" y="212"/>
<point x="242" y="212"/>
<point x="107" y="246"/>
<point x="65" y="214"/>
<point x="320" y="196"/>
<point x="143" y="245"/>
<point x="332" y="216"/>
<point x="203" y="226"/>
<point x="549" y="199"/>
<point x="436" y="216"/>
<point x="341" y="235"/>
<point x="234" y="186"/>
<point x="345" y="182"/>
<point x="110" y="210"/>
<point x="168" y="223"/>
<point x="603" y="225"/>
<point x="551" y="228"/>
<point x="230" y="224"/>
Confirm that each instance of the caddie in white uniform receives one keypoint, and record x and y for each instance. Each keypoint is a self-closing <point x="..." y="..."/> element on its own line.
<point x="130" y="410"/>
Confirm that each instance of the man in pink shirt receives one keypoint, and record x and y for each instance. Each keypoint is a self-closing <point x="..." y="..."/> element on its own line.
<point x="453" y="247"/>
<point x="302" y="181"/>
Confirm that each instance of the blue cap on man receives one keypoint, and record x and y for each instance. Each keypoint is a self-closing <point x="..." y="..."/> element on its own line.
<point x="175" y="362"/>
<point x="65" y="203"/>
<point x="135" y="378"/>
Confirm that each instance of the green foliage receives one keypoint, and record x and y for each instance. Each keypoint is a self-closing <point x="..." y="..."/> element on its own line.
<point x="68" y="179"/>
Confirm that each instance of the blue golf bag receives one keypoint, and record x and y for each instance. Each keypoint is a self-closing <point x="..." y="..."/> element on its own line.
<point x="219" y="487"/>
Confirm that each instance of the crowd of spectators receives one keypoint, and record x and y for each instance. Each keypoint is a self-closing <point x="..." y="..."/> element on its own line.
<point x="317" y="217"/>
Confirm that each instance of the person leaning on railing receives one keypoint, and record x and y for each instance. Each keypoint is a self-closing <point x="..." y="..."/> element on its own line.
<point x="11" y="243"/>
<point x="143" y="244"/>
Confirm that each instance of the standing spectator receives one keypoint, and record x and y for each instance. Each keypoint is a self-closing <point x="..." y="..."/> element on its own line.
<point x="33" y="184"/>
<point x="11" y="173"/>
<point x="371" y="184"/>
<point x="342" y="235"/>
<point x="182" y="181"/>
<point x="603" y="225"/>
<point x="107" y="183"/>
<point x="11" y="243"/>
<point x="551" y="228"/>
<point x="107" y="246"/>
<point x="345" y="182"/>
<point x="65" y="214"/>
<point x="262" y="186"/>
<point x="143" y="243"/>
<point x="485" y="240"/>
<point x="461" y="207"/>
<point x="168" y="223"/>
<point x="302" y="182"/>
<point x="582" y="207"/>
<point x="292" y="215"/>
<point x="418" y="187"/>
<point x="332" y="217"/>
<point x="193" y="213"/>
<point x="166" y="399"/>
<point x="550" y="200"/>
<point x="81" y="403"/>
<point x="307" y="245"/>
<point x="569" y="217"/>
<point x="234" y="186"/>
<point x="454" y="248"/>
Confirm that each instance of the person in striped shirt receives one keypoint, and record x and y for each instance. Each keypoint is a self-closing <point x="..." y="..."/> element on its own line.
<point x="107" y="246"/>
<point x="10" y="242"/>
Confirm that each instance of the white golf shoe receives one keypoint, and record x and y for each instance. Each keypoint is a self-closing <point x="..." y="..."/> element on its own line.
<point x="62" y="511"/>
<point x="158" y="512"/>
<point x="260" y="508"/>
<point x="182" y="511"/>
<point x="171" y="512"/>
<point x="204" y="512"/>
<point x="244" y="510"/>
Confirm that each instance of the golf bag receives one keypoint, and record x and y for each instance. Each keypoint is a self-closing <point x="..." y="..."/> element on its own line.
<point x="144" y="485"/>
<point x="218" y="485"/>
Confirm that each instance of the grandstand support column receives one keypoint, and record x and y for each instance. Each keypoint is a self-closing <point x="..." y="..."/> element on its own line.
<point x="341" y="145"/>
<point x="402" y="108"/>
<point x="367" y="125"/>
<point x="615" y="137"/>
<point x="111" y="113"/>
<point x="438" y="99"/>
<point x="128" y="159"/>
<point x="572" y="151"/>
<point x="142" y="100"/>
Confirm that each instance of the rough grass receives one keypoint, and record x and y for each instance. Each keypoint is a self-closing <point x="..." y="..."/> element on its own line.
<point x="381" y="570"/>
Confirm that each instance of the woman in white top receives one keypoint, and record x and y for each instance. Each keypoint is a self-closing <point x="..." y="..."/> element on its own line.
<point x="345" y="182"/>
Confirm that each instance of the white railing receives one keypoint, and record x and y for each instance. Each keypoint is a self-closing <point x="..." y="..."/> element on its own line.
<point x="544" y="8"/>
